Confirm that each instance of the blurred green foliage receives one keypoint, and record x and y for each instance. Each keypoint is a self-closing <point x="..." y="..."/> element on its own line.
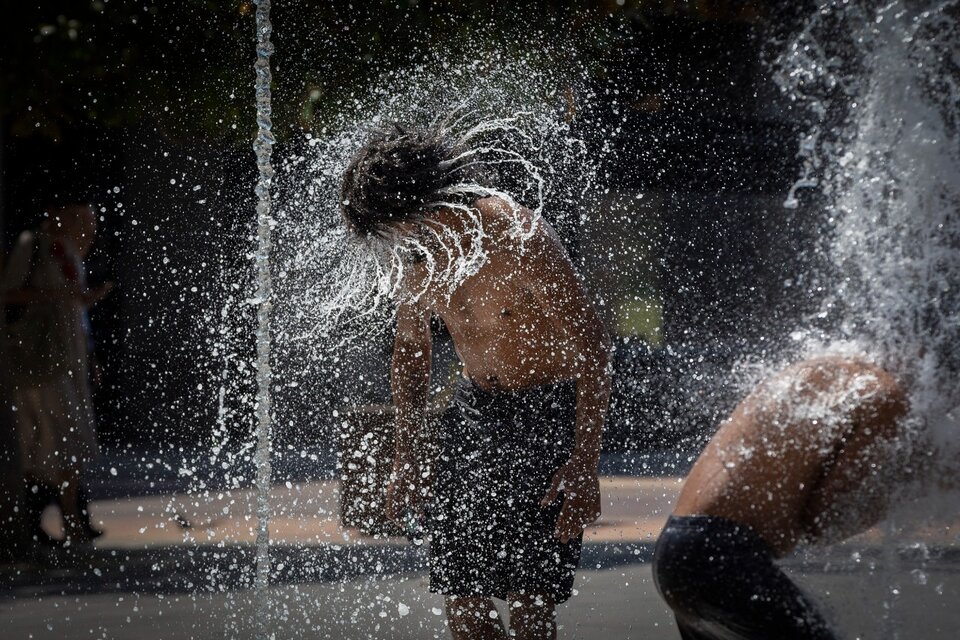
<point x="184" y="66"/>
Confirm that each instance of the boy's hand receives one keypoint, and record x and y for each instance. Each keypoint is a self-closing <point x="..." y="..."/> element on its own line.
<point x="581" y="498"/>
<point x="405" y="492"/>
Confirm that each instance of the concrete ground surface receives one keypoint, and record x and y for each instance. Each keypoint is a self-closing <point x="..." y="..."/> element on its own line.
<point x="610" y="604"/>
<point x="634" y="509"/>
<point x="176" y="566"/>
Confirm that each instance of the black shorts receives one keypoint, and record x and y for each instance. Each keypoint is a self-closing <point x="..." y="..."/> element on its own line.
<point x="720" y="579"/>
<point x="497" y="454"/>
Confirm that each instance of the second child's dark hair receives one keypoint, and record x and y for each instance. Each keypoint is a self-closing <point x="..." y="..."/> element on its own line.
<point x="393" y="178"/>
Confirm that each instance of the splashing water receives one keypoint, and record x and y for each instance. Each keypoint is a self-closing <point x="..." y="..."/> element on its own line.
<point x="345" y="283"/>
<point x="882" y="154"/>
<point x="331" y="295"/>
<point x="888" y="170"/>
<point x="880" y="151"/>
<point x="510" y="125"/>
<point x="375" y="269"/>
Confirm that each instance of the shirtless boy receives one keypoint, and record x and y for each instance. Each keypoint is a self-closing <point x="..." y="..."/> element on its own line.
<point x="801" y="459"/>
<point x="515" y="481"/>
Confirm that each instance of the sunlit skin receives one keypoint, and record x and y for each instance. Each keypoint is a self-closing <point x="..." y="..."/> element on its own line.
<point x="795" y="475"/>
<point x="521" y="321"/>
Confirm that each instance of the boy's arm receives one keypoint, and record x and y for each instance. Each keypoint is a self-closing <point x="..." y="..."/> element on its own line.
<point x="577" y="478"/>
<point x="410" y="384"/>
<point x="593" y="396"/>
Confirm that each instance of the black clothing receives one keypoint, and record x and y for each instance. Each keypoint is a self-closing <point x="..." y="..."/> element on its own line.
<point x="720" y="579"/>
<point x="497" y="454"/>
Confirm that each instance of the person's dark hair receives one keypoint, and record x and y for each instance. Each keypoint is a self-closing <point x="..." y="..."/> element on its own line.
<point x="393" y="178"/>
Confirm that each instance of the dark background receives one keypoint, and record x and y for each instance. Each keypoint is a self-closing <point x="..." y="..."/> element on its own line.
<point x="146" y="111"/>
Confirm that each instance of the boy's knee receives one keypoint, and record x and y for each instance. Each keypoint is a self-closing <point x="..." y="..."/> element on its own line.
<point x="473" y="618"/>
<point x="471" y="609"/>
<point x="534" y="609"/>
<point x="530" y="602"/>
<point x="532" y="616"/>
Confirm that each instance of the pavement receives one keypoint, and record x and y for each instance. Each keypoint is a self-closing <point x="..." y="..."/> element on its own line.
<point x="181" y="566"/>
<point x="306" y="513"/>
<point x="634" y="510"/>
<point x="611" y="604"/>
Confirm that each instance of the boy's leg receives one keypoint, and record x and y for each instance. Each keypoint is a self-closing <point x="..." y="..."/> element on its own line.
<point x="474" y="618"/>
<point x="532" y="617"/>
<point x="70" y="507"/>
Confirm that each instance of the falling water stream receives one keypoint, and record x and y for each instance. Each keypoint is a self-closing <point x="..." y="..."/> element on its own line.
<point x="263" y="147"/>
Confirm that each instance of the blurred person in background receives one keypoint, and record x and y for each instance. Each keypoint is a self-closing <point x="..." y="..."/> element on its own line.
<point x="47" y="365"/>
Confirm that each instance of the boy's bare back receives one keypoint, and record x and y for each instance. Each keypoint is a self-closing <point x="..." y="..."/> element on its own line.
<point x="796" y="448"/>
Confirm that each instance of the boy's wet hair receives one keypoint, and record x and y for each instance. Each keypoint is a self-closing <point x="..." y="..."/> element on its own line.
<point x="395" y="177"/>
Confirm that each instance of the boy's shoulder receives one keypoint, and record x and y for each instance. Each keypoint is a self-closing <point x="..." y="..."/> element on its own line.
<point x="505" y="218"/>
<point x="493" y="211"/>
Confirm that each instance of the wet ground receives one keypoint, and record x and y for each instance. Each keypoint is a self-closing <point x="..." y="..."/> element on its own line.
<point x="178" y="566"/>
<point x="308" y="513"/>
<point x="611" y="603"/>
